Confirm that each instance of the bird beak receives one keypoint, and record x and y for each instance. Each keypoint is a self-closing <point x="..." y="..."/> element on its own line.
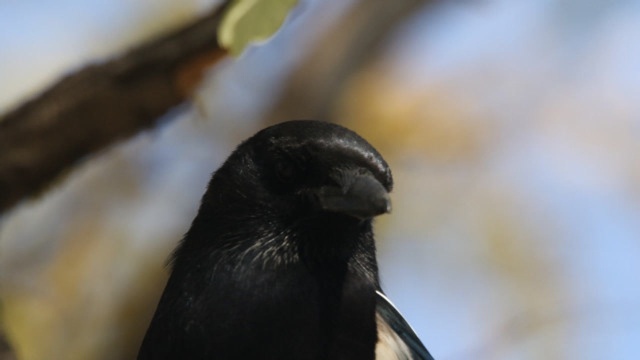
<point x="360" y="196"/>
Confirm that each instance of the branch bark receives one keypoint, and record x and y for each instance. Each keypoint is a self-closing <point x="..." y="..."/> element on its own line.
<point x="101" y="104"/>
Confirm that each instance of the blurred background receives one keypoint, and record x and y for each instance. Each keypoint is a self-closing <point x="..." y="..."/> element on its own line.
<point x="512" y="128"/>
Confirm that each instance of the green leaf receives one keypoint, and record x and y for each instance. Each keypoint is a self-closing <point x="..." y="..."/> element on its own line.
<point x="248" y="21"/>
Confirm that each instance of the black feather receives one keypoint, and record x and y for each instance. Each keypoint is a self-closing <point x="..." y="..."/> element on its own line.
<point x="394" y="319"/>
<point x="280" y="261"/>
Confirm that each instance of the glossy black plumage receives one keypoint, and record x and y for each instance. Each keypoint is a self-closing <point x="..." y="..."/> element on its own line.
<point x="280" y="261"/>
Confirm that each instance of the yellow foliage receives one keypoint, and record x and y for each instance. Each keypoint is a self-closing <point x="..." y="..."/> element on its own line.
<point x="424" y="122"/>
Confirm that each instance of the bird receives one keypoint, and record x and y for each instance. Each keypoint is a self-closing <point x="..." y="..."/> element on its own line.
<point x="280" y="260"/>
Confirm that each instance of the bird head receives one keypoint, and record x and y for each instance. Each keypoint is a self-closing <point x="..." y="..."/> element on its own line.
<point x="311" y="169"/>
<point x="310" y="184"/>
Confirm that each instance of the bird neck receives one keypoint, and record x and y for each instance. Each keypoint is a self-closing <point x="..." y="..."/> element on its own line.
<point x="326" y="288"/>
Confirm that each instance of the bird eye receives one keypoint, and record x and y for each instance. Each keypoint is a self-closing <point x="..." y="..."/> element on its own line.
<point x="285" y="171"/>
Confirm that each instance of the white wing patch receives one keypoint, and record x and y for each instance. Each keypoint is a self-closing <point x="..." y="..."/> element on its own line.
<point x="390" y="346"/>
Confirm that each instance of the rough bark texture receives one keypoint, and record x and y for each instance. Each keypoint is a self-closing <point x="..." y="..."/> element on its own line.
<point x="99" y="105"/>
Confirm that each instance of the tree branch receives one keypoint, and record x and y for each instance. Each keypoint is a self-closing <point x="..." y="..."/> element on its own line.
<point x="101" y="104"/>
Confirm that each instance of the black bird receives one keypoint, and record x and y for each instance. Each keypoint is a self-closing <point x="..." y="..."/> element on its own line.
<point x="280" y="261"/>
